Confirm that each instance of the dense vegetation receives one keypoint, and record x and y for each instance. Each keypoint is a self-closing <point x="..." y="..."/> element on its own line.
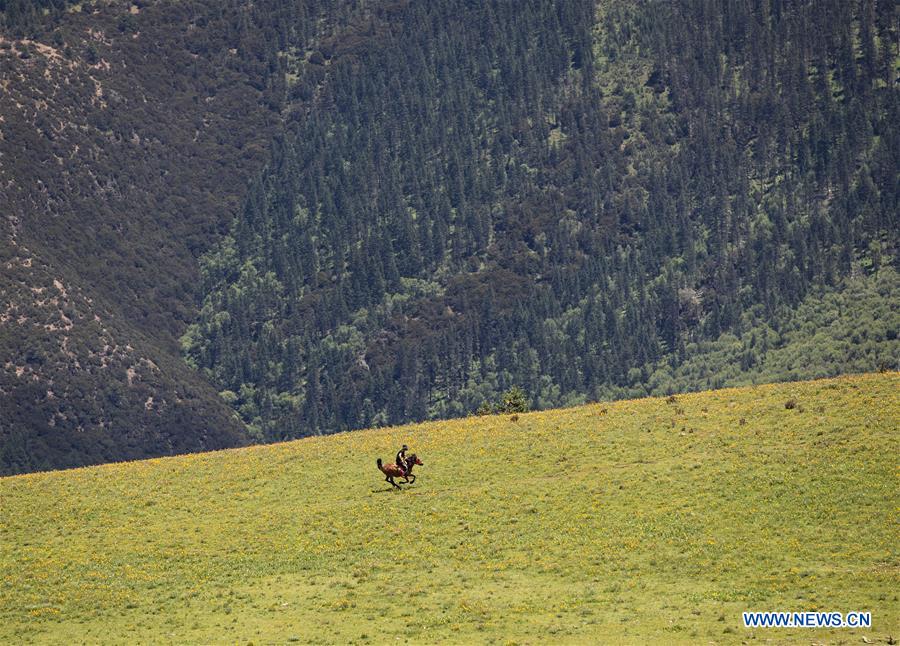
<point x="635" y="522"/>
<point x="407" y="209"/>
<point x="23" y="17"/>
<point x="128" y="133"/>
<point x="585" y="201"/>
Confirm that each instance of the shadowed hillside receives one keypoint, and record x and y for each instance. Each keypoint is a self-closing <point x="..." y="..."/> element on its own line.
<point x="128" y="133"/>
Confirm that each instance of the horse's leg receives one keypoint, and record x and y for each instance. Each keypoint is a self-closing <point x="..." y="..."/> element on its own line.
<point x="391" y="480"/>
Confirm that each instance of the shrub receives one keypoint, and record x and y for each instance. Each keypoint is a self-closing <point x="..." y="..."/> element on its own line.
<point x="128" y="24"/>
<point x="485" y="409"/>
<point x="514" y="400"/>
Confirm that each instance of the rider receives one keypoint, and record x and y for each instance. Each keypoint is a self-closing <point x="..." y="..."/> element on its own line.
<point x="401" y="459"/>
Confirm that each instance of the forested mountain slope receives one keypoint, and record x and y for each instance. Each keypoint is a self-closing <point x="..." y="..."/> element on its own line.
<point x="574" y="198"/>
<point x="405" y="208"/>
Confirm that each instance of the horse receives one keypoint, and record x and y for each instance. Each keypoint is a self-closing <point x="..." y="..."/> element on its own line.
<point x="392" y="471"/>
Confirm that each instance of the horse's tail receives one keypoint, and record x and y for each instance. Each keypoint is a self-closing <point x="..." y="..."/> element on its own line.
<point x="378" y="462"/>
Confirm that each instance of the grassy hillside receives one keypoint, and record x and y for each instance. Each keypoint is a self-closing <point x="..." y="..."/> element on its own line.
<point x="643" y="521"/>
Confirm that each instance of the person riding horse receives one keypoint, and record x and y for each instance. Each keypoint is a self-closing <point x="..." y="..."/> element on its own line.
<point x="401" y="459"/>
<point x="402" y="467"/>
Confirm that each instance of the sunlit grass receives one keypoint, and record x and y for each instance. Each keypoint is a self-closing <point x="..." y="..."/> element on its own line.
<point x="640" y="521"/>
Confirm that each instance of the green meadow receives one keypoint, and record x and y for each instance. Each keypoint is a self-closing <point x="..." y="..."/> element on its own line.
<point x="645" y="521"/>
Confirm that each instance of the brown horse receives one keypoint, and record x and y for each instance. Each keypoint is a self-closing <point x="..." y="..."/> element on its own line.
<point x="392" y="471"/>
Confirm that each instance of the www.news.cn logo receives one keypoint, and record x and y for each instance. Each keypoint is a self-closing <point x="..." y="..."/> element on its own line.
<point x="807" y="620"/>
